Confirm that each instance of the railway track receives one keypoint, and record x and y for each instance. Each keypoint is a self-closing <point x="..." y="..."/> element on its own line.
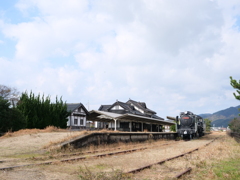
<point x="137" y="170"/>
<point x="84" y="153"/>
<point x="116" y="155"/>
<point x="73" y="159"/>
<point x="76" y="158"/>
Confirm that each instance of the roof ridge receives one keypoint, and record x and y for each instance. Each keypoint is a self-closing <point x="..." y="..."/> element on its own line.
<point x="73" y="103"/>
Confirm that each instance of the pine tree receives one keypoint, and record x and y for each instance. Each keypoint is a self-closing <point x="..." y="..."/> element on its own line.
<point x="235" y="85"/>
<point x="235" y="123"/>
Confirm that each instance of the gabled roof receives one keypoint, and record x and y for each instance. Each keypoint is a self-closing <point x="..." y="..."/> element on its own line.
<point x="122" y="104"/>
<point x="129" y="108"/>
<point x="141" y="105"/>
<point x="104" y="107"/>
<point x="73" y="106"/>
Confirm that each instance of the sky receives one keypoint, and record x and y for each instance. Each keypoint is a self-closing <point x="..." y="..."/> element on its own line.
<point x="173" y="55"/>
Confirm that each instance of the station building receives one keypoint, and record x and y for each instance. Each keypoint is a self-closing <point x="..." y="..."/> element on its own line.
<point x="131" y="116"/>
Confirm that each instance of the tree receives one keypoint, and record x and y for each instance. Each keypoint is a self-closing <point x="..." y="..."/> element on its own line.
<point x="234" y="125"/>
<point x="208" y="124"/>
<point x="10" y="118"/>
<point x="235" y="85"/>
<point x="4" y="108"/>
<point x="39" y="112"/>
<point x="173" y="127"/>
<point x="10" y="94"/>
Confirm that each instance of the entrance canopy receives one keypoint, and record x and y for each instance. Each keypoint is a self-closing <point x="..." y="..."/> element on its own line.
<point x="103" y="116"/>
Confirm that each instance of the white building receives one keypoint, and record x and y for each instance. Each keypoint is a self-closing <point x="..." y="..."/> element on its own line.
<point x="78" y="116"/>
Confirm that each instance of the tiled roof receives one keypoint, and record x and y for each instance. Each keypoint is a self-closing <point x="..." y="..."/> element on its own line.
<point x="73" y="106"/>
<point x="104" y="107"/>
<point x="141" y="105"/>
<point x="130" y="109"/>
<point x="124" y="105"/>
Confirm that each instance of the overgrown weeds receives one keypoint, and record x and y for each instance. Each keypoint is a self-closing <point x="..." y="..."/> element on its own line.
<point x="33" y="131"/>
<point x="219" y="161"/>
<point x="86" y="173"/>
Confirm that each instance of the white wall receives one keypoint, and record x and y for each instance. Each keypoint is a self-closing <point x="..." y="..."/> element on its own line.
<point x="78" y="118"/>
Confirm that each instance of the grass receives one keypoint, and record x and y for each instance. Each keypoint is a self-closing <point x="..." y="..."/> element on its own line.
<point x="221" y="170"/>
<point x="26" y="156"/>
<point x="220" y="162"/>
<point x="101" y="166"/>
<point x="32" y="131"/>
<point x="229" y="169"/>
<point x="87" y="174"/>
<point x="54" y="144"/>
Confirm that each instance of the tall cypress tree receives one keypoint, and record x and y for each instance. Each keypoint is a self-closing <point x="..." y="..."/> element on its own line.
<point x="39" y="112"/>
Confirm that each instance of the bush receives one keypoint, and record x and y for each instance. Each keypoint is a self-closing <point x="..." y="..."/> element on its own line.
<point x="234" y="125"/>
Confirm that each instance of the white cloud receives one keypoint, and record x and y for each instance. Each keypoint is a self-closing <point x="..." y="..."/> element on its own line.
<point x="174" y="55"/>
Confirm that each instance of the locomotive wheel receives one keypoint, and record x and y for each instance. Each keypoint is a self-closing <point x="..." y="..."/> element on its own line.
<point x="190" y="136"/>
<point x="187" y="137"/>
<point x="197" y="134"/>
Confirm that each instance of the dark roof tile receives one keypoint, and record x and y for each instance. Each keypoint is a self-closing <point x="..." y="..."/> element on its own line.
<point x="73" y="106"/>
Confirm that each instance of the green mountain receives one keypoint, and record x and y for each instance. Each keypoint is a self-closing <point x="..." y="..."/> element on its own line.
<point x="222" y="118"/>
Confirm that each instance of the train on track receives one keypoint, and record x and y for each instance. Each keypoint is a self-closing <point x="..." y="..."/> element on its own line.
<point x="189" y="125"/>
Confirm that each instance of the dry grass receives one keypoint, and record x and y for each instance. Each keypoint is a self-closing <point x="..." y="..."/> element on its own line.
<point x="202" y="161"/>
<point x="107" y="166"/>
<point x="87" y="174"/>
<point x="32" y="131"/>
<point x="31" y="142"/>
<point x="156" y="152"/>
<point x="103" y="148"/>
<point x="52" y="144"/>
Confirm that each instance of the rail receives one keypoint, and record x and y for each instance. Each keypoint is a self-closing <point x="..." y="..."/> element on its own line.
<point x="169" y="159"/>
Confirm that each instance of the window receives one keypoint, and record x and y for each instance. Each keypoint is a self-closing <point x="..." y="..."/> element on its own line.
<point x="137" y="125"/>
<point x="124" y="125"/>
<point x="81" y="121"/>
<point x="75" y="121"/>
<point x="117" y="107"/>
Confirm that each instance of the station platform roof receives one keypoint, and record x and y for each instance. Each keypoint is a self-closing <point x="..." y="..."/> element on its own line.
<point x="103" y="116"/>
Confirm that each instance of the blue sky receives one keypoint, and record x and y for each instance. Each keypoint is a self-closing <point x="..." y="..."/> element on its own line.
<point x="173" y="55"/>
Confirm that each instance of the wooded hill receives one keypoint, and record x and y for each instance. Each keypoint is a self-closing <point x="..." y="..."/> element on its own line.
<point x="223" y="117"/>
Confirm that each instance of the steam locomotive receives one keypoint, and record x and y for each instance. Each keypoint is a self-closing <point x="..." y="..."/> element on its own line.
<point x="189" y="125"/>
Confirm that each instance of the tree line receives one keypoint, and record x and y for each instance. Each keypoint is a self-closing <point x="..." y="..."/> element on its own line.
<point x="30" y="111"/>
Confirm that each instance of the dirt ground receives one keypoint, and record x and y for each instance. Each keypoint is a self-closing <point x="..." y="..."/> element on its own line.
<point x="15" y="147"/>
<point x="31" y="143"/>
